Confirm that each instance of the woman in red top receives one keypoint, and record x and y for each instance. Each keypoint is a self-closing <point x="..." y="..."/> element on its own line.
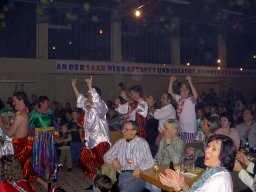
<point x="11" y="177"/>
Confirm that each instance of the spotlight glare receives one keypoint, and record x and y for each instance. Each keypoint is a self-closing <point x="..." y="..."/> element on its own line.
<point x="241" y="69"/>
<point x="137" y="13"/>
<point x="218" y="61"/>
<point x="100" y="31"/>
<point x="219" y="68"/>
<point x="188" y="64"/>
<point x="53" y="47"/>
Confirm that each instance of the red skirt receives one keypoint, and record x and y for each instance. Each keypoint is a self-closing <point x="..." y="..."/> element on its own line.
<point x="22" y="150"/>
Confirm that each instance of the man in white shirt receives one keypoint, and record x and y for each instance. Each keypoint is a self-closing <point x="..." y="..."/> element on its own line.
<point x="166" y="112"/>
<point x="129" y="156"/>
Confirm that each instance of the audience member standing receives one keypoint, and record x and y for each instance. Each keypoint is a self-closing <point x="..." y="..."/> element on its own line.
<point x="95" y="126"/>
<point x="75" y="144"/>
<point x="135" y="109"/>
<point x="166" y="112"/>
<point x="185" y="108"/>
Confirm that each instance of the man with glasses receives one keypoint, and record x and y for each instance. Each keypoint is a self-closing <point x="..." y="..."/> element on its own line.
<point x="128" y="156"/>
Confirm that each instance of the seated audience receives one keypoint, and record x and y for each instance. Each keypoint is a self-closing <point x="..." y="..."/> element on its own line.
<point x="247" y="129"/>
<point x="171" y="146"/>
<point x="220" y="155"/>
<point x="209" y="126"/>
<point x="193" y="155"/>
<point x="128" y="156"/>
<point x="225" y="129"/>
<point x="11" y="179"/>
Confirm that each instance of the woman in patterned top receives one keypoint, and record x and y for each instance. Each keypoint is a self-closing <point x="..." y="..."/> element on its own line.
<point x="171" y="146"/>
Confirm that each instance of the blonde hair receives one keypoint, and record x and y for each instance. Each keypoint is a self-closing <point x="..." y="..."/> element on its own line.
<point x="174" y="123"/>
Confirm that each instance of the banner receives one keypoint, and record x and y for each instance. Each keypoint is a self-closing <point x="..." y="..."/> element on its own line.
<point x="148" y="69"/>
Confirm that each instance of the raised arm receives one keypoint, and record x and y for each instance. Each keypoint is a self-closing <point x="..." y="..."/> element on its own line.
<point x="170" y="87"/>
<point x="193" y="89"/>
<point x="73" y="83"/>
<point x="89" y="83"/>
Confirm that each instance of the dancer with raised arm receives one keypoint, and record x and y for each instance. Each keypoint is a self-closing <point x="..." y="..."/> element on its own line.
<point x="95" y="126"/>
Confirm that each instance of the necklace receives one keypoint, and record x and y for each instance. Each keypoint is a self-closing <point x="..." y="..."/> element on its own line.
<point x="23" y="110"/>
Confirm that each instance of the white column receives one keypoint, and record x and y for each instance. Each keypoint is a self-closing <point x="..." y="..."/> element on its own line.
<point x="116" y="43"/>
<point x="222" y="49"/>
<point x="175" y="42"/>
<point x="42" y="41"/>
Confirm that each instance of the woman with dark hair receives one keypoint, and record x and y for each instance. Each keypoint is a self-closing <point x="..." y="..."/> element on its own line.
<point x="220" y="155"/>
<point x="11" y="177"/>
<point x="43" y="130"/>
<point x="226" y="120"/>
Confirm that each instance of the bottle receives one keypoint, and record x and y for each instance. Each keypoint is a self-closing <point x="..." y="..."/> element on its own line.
<point x="241" y="147"/>
<point x="254" y="149"/>
<point x="171" y="166"/>
<point x="247" y="146"/>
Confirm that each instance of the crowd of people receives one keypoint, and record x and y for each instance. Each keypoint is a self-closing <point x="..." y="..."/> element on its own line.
<point x="43" y="138"/>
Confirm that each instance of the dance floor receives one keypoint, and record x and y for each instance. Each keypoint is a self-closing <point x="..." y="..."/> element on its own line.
<point x="70" y="181"/>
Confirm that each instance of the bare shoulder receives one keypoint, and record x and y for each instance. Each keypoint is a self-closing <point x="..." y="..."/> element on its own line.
<point x="21" y="116"/>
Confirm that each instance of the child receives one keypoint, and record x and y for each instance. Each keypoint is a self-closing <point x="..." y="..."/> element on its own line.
<point x="102" y="183"/>
<point x="193" y="154"/>
<point x="64" y="146"/>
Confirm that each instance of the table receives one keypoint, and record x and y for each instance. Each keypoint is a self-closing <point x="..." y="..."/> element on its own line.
<point x="151" y="177"/>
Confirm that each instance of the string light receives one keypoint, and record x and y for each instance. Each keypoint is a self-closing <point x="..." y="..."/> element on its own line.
<point x="188" y="64"/>
<point x="219" y="68"/>
<point x="218" y="61"/>
<point x="53" y="47"/>
<point x="241" y="69"/>
<point x="101" y="31"/>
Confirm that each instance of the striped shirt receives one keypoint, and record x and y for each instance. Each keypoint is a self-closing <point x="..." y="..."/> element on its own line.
<point x="130" y="155"/>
